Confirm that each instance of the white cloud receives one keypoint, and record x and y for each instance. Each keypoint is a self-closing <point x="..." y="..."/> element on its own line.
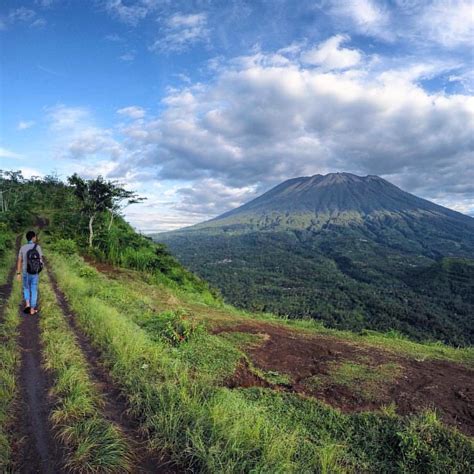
<point x="4" y="153"/>
<point x="265" y="119"/>
<point x="130" y="14"/>
<point x="114" y="38"/>
<point x="210" y="197"/>
<point x="133" y="112"/>
<point x="78" y="137"/>
<point x="130" y="56"/>
<point x="181" y="32"/>
<point x="25" y="124"/>
<point x="449" y="23"/>
<point x="21" y="15"/>
<point x="31" y="172"/>
<point x="366" y="16"/>
<point x="46" y="3"/>
<point x="330" y="55"/>
<point x="39" y="23"/>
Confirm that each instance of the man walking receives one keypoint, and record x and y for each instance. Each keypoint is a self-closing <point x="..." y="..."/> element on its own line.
<point x="29" y="265"/>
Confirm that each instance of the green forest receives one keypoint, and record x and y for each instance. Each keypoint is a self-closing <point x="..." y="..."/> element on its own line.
<point x="346" y="278"/>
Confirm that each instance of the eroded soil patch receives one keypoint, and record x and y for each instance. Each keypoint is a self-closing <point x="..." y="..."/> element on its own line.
<point x="315" y="363"/>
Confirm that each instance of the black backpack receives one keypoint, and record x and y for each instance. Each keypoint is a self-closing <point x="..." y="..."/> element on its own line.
<point x="33" y="261"/>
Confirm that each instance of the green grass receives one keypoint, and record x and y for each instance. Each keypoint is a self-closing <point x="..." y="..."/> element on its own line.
<point x="141" y="293"/>
<point x="9" y="364"/>
<point x="92" y="443"/>
<point x="174" y="389"/>
<point x="367" y="381"/>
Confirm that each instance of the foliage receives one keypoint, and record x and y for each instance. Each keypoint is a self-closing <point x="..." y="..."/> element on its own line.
<point x="338" y="277"/>
<point x="174" y="327"/>
<point x="64" y="246"/>
<point x="97" y="196"/>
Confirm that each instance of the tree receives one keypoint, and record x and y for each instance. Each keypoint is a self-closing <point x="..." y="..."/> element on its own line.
<point x="10" y="189"/>
<point x="97" y="196"/>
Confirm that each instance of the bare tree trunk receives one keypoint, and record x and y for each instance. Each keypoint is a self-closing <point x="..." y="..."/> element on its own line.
<point x="111" y="220"/>
<point x="91" y="230"/>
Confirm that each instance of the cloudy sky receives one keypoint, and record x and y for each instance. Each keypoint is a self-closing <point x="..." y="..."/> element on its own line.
<point x="201" y="105"/>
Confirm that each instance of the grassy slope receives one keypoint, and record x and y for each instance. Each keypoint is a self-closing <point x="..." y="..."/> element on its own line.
<point x="204" y="424"/>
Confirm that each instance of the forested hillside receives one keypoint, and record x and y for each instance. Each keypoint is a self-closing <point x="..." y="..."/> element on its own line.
<point x="356" y="253"/>
<point x="134" y="364"/>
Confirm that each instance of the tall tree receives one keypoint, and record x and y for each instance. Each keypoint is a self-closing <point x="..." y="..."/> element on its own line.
<point x="98" y="196"/>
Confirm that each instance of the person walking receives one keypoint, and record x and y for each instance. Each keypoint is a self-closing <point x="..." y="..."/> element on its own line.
<point x="29" y="266"/>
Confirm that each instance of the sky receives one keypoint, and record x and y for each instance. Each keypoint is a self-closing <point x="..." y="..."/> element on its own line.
<point x="201" y="105"/>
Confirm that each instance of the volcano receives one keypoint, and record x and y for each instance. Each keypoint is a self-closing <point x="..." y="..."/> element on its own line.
<point x="354" y="252"/>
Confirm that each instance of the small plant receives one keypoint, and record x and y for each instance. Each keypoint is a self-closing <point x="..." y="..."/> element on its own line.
<point x="88" y="272"/>
<point x="175" y="327"/>
<point x="65" y="246"/>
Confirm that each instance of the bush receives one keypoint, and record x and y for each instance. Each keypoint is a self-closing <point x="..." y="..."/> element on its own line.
<point x="64" y="246"/>
<point x="175" y="327"/>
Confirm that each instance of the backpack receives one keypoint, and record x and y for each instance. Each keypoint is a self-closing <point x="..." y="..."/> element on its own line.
<point x="33" y="261"/>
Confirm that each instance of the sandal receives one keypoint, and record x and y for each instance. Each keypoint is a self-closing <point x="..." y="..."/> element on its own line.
<point x="27" y="310"/>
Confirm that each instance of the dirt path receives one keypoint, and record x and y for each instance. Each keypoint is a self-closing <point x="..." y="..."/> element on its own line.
<point x="38" y="452"/>
<point x="115" y="408"/>
<point x="309" y="363"/>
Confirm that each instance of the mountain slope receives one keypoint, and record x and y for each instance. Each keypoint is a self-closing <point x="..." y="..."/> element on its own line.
<point x="355" y="252"/>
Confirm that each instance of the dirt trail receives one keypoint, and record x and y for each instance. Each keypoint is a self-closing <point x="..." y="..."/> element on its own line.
<point x="115" y="408"/>
<point x="38" y="452"/>
<point x="440" y="384"/>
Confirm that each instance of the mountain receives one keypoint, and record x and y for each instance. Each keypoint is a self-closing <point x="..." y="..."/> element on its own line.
<point x="355" y="252"/>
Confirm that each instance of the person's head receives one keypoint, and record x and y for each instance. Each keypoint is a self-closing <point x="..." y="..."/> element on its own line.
<point x="31" y="236"/>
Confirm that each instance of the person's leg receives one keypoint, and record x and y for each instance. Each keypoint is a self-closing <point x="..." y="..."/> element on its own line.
<point x="33" y="290"/>
<point x="26" y="290"/>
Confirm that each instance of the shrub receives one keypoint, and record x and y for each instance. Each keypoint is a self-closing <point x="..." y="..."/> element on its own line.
<point x="64" y="246"/>
<point x="175" y="327"/>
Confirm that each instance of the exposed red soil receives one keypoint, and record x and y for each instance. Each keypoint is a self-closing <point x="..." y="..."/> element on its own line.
<point x="115" y="404"/>
<point x="103" y="267"/>
<point x="446" y="386"/>
<point x="244" y="377"/>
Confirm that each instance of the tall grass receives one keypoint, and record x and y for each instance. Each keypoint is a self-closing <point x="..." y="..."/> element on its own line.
<point x="175" y="393"/>
<point x="204" y="426"/>
<point x="9" y="364"/>
<point x="93" y="444"/>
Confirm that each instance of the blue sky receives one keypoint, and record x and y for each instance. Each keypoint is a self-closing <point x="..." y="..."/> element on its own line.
<point x="202" y="105"/>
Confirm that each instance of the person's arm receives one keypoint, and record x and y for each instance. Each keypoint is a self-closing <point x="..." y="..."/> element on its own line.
<point x="41" y="254"/>
<point x="19" y="266"/>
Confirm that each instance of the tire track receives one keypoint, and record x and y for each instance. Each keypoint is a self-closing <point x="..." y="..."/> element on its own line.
<point x="115" y="406"/>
